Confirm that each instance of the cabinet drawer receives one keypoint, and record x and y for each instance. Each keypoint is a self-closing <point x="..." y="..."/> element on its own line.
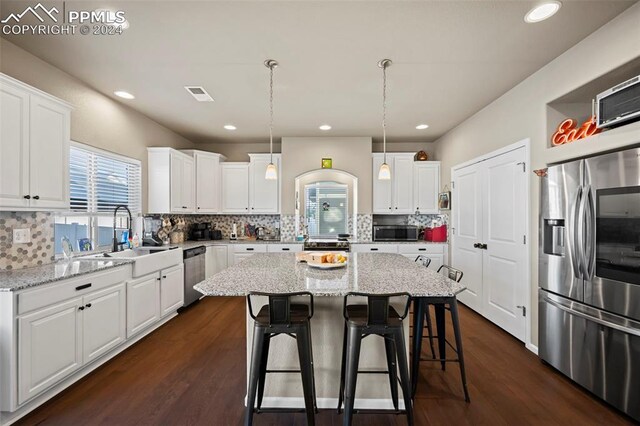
<point x="421" y="248"/>
<point x="54" y="293"/>
<point x="284" y="248"/>
<point x="250" y="248"/>
<point x="375" y="248"/>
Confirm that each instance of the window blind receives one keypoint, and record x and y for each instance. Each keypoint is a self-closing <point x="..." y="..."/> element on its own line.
<point x="100" y="181"/>
<point x="326" y="209"/>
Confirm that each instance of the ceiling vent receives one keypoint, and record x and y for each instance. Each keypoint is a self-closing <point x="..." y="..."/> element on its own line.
<point x="199" y="93"/>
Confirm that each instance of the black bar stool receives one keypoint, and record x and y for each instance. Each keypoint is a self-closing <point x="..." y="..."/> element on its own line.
<point x="376" y="318"/>
<point x="281" y="316"/>
<point x="420" y="313"/>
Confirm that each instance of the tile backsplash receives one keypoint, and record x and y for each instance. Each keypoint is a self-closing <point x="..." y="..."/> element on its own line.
<point x="37" y="252"/>
<point x="225" y="222"/>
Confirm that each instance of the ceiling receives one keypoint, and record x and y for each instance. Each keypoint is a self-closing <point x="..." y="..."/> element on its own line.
<point x="450" y="59"/>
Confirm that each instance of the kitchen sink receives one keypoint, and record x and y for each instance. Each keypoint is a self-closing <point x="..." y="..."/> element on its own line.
<point x="146" y="260"/>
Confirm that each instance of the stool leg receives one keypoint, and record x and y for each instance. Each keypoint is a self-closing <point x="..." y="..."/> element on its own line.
<point x="390" y="349"/>
<point x="427" y="312"/>
<point x="401" y="352"/>
<point x="456" y="328"/>
<point x="418" y="329"/>
<point x="353" y="359"/>
<point x="254" y="373"/>
<point x="440" y="325"/>
<point x="306" y="369"/>
<point x="313" y="372"/>
<point x="343" y="367"/>
<point x="263" y="368"/>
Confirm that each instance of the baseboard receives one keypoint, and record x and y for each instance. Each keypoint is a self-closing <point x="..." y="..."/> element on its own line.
<point x="330" y="403"/>
<point x="533" y="348"/>
<point x="7" y="418"/>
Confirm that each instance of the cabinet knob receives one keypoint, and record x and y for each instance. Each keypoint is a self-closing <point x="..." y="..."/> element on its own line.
<point x="389" y="208"/>
<point x="81" y="308"/>
<point x="158" y="279"/>
<point x="27" y="197"/>
<point x="164" y="277"/>
<point x="396" y="208"/>
<point x="36" y="197"/>
<point x="88" y="305"/>
<point x="184" y="207"/>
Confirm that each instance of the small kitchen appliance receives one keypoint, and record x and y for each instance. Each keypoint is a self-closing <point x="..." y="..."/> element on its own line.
<point x="151" y="225"/>
<point x="201" y="232"/>
<point x="619" y="105"/>
<point x="395" y="233"/>
<point x="234" y="232"/>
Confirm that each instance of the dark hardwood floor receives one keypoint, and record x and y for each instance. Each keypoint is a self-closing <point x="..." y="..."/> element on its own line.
<point x="192" y="372"/>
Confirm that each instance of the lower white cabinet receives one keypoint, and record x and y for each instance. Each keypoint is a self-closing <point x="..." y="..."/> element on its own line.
<point x="143" y="303"/>
<point x="171" y="289"/>
<point x="154" y="296"/>
<point x="436" y="252"/>
<point x="239" y="252"/>
<point x="216" y="259"/>
<point x="49" y="347"/>
<point x="283" y="248"/>
<point x="374" y="248"/>
<point x="104" y="318"/>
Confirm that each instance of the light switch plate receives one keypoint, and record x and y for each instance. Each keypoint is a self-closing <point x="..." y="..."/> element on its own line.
<point x="21" y="236"/>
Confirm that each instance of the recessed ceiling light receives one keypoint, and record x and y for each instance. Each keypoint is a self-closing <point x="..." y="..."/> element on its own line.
<point x="422" y="126"/>
<point x="230" y="127"/>
<point x="325" y="127"/>
<point x="123" y="94"/>
<point x="542" y="11"/>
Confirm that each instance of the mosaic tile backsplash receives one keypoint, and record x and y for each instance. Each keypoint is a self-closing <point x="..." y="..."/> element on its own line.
<point x="225" y="222"/>
<point x="41" y="248"/>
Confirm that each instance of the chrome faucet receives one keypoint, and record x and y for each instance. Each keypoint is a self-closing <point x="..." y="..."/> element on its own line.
<point x="116" y="244"/>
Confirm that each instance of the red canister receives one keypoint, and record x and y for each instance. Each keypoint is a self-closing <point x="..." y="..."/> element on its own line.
<point x="439" y="234"/>
<point x="428" y="234"/>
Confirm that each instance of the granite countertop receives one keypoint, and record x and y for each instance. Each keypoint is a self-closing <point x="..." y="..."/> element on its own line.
<point x="191" y="244"/>
<point x="20" y="279"/>
<point x="376" y="273"/>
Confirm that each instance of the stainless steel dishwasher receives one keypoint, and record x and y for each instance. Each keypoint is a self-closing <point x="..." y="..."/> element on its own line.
<point x="193" y="273"/>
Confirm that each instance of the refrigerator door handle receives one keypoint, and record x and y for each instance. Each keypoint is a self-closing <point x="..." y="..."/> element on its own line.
<point x="582" y="227"/>
<point x="629" y="328"/>
<point x="590" y="263"/>
<point x="574" y="237"/>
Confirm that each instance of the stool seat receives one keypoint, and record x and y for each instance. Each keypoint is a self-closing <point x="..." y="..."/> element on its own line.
<point x="299" y="314"/>
<point x="358" y="315"/>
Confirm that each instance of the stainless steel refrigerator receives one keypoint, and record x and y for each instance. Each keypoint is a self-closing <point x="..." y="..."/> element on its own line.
<point x="589" y="275"/>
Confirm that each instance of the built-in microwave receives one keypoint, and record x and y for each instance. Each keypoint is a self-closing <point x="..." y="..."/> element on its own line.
<point x="395" y="233"/>
<point x="619" y="105"/>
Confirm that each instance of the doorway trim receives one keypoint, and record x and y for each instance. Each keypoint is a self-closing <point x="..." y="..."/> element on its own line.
<point x="526" y="144"/>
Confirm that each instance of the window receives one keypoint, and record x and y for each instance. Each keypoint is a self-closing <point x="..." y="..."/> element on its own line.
<point x="98" y="182"/>
<point x="326" y="209"/>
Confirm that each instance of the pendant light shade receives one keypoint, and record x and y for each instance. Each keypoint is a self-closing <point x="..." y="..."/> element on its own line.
<point x="385" y="171"/>
<point x="272" y="170"/>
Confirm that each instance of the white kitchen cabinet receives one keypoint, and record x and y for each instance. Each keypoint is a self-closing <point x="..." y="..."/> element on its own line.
<point x="171" y="181"/>
<point x="436" y="252"/>
<point x="394" y="196"/>
<point x="171" y="289"/>
<point x="264" y="194"/>
<point x="216" y="260"/>
<point x="49" y="346"/>
<point x="104" y="321"/>
<point x="235" y="188"/>
<point x="374" y="248"/>
<point x="207" y="181"/>
<point x="426" y="186"/>
<point x="283" y="248"/>
<point x="241" y="251"/>
<point x="143" y="303"/>
<point x="34" y="148"/>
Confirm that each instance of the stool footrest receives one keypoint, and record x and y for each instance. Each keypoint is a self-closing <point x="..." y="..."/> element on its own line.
<point x="440" y="360"/>
<point x="373" y="372"/>
<point x="279" y="410"/>
<point x="283" y="371"/>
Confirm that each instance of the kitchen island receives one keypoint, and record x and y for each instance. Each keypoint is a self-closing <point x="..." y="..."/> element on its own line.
<point x="377" y="273"/>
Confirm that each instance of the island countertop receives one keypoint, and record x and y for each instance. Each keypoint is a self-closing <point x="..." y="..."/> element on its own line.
<point x="375" y="273"/>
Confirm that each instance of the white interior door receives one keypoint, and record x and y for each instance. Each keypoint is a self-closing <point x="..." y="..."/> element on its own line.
<point x="467" y="231"/>
<point x="504" y="271"/>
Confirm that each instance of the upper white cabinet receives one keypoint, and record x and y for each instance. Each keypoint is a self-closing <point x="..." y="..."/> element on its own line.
<point x="208" y="177"/>
<point x="264" y="194"/>
<point x="413" y="188"/>
<point x="393" y="196"/>
<point x="245" y="189"/>
<point x="171" y="181"/>
<point x="34" y="148"/>
<point x="426" y="186"/>
<point x="235" y="187"/>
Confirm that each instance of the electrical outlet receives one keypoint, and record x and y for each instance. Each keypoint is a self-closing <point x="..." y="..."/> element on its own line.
<point x="21" y="236"/>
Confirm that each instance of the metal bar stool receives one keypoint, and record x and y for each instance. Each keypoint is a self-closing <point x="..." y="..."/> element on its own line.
<point x="376" y="318"/>
<point x="281" y="316"/>
<point x="420" y="313"/>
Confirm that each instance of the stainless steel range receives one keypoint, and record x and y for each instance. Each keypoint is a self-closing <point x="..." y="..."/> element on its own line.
<point x="589" y="273"/>
<point x="327" y="244"/>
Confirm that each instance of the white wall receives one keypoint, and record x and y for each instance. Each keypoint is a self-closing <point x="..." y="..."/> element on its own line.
<point x="521" y="112"/>
<point x="97" y="120"/>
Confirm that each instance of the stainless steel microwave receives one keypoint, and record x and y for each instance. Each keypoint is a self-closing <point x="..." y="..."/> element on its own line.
<point x="395" y="233"/>
<point x="619" y="104"/>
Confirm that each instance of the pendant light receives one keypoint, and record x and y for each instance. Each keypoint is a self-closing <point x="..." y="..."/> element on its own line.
<point x="272" y="170"/>
<point x="385" y="172"/>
